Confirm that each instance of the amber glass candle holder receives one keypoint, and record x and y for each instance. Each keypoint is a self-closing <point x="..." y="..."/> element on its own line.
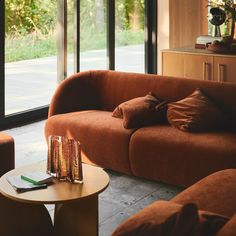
<point x="64" y="159"/>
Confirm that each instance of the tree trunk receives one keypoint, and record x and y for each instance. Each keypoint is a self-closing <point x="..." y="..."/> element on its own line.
<point x="232" y="27"/>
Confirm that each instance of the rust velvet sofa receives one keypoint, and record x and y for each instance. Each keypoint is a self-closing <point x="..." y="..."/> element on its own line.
<point x="81" y="108"/>
<point x="214" y="196"/>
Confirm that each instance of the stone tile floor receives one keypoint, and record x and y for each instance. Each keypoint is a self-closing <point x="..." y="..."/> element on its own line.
<point x="125" y="195"/>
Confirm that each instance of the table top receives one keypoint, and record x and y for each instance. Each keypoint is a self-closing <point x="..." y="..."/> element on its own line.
<point x="192" y="50"/>
<point x="95" y="180"/>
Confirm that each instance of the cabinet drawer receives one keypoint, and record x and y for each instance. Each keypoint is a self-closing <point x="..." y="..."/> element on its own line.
<point x="198" y="67"/>
<point x="224" y="69"/>
<point x="172" y="64"/>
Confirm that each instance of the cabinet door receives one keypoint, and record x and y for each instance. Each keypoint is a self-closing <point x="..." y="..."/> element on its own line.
<point x="172" y="64"/>
<point x="224" y="69"/>
<point x="198" y="67"/>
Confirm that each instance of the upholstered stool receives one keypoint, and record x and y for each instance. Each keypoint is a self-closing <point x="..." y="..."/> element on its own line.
<point x="7" y="153"/>
<point x="19" y="218"/>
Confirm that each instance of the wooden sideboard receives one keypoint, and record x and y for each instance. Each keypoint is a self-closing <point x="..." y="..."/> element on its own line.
<point x="199" y="64"/>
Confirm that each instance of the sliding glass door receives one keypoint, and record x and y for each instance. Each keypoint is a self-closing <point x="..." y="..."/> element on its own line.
<point x="93" y="34"/>
<point x="30" y="54"/>
<point x="42" y="42"/>
<point x="129" y="35"/>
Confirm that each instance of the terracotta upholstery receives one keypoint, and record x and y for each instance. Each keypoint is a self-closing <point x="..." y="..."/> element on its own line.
<point x="157" y="152"/>
<point x="196" y="113"/>
<point x="18" y="218"/>
<point x="164" y="153"/>
<point x="214" y="194"/>
<point x="7" y="153"/>
<point x="229" y="229"/>
<point x="22" y="219"/>
<point x="141" y="112"/>
<point x="88" y="127"/>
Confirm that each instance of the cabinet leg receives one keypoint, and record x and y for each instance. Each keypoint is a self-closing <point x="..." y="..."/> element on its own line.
<point x="79" y="218"/>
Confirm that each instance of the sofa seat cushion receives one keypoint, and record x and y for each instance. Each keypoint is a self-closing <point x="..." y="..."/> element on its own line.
<point x="104" y="141"/>
<point x="215" y="193"/>
<point x="170" y="155"/>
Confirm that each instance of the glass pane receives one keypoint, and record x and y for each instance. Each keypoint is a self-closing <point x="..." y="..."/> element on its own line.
<point x="30" y="54"/>
<point x="70" y="37"/>
<point x="129" y="37"/>
<point x="93" y="34"/>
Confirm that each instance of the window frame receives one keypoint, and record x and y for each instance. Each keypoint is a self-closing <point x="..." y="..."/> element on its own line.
<point x="39" y="113"/>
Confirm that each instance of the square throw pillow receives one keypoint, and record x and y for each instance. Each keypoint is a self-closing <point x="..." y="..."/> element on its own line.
<point x="196" y="113"/>
<point x="141" y="111"/>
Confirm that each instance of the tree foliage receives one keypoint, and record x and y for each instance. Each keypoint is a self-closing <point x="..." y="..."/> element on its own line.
<point x="26" y="16"/>
<point x="130" y="14"/>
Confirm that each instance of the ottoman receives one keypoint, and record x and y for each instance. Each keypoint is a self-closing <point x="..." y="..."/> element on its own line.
<point x="7" y="153"/>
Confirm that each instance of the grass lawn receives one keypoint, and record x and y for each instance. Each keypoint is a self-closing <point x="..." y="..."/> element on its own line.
<point x="31" y="46"/>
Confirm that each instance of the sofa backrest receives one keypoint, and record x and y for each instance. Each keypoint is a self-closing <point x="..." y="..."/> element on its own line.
<point x="116" y="87"/>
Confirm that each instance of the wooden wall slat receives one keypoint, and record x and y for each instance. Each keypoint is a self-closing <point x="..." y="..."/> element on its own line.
<point x="188" y="19"/>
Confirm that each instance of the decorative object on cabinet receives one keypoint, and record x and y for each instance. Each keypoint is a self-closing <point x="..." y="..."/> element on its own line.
<point x="218" y="18"/>
<point x="229" y="7"/>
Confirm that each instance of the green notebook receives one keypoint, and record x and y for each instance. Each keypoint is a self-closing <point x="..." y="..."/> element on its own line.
<point x="37" y="177"/>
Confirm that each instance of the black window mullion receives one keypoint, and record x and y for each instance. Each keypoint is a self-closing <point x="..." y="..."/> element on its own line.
<point x="151" y="36"/>
<point x="2" y="59"/>
<point x="111" y="34"/>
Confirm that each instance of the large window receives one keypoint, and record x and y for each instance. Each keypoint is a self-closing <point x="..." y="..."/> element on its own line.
<point x="30" y="54"/>
<point x="93" y="34"/>
<point x="42" y="42"/>
<point x="129" y="35"/>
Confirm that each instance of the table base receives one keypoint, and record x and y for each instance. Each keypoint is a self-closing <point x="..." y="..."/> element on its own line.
<point x="77" y="218"/>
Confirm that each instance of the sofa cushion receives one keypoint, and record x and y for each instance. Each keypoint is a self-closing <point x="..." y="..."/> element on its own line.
<point x="229" y="229"/>
<point x="181" y="158"/>
<point x="165" y="218"/>
<point x="215" y="193"/>
<point x="141" y="111"/>
<point x="196" y="113"/>
<point x="104" y="141"/>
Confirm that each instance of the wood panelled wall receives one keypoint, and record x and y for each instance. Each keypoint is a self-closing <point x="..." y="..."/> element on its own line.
<point x="188" y="19"/>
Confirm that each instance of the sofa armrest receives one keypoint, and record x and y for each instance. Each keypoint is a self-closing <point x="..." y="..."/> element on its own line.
<point x="155" y="214"/>
<point x="76" y="93"/>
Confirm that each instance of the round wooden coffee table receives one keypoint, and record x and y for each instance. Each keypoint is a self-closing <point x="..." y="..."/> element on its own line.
<point x="76" y="205"/>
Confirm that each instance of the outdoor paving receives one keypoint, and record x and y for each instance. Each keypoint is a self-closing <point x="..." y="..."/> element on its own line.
<point x="125" y="195"/>
<point x="31" y="83"/>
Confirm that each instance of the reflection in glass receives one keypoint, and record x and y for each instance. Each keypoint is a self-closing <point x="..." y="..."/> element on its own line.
<point x="129" y="35"/>
<point x="93" y="34"/>
<point x="30" y="54"/>
<point x="70" y="37"/>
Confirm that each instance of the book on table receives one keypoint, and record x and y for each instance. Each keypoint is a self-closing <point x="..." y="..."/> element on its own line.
<point x="21" y="185"/>
<point x="37" y="177"/>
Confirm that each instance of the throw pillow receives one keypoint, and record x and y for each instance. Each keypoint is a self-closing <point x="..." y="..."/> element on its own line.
<point x="196" y="113"/>
<point x="141" y="111"/>
<point x="190" y="221"/>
